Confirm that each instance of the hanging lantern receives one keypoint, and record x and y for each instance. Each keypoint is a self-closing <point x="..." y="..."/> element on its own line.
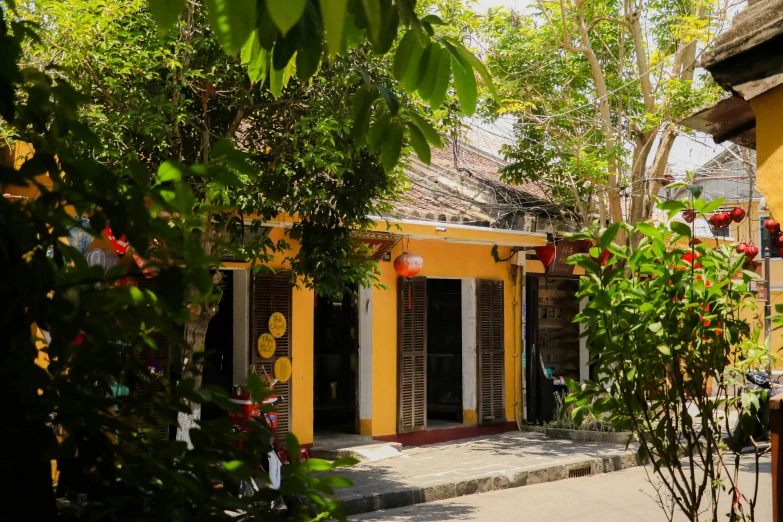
<point x="737" y="214"/>
<point x="772" y="225"/>
<point x="777" y="240"/>
<point x="751" y="251"/>
<point x="120" y="245"/>
<point x="408" y="265"/>
<point x="741" y="248"/>
<point x="689" y="215"/>
<point x="546" y="254"/>
<point x="667" y="180"/>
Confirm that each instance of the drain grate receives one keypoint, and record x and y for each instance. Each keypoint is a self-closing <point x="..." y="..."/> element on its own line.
<point x="580" y="472"/>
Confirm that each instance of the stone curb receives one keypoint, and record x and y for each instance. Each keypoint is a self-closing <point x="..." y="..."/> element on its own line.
<point x="408" y="496"/>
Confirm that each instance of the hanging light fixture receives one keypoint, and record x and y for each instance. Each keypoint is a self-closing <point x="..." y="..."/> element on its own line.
<point x="546" y="254"/>
<point x="408" y="265"/>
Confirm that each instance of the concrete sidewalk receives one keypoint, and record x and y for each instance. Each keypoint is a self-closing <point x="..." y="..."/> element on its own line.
<point x="448" y="470"/>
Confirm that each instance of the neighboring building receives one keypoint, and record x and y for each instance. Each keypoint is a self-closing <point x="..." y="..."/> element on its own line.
<point x="747" y="61"/>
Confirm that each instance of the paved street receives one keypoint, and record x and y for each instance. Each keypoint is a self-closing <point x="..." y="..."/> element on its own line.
<point x="446" y="470"/>
<point x="614" y="497"/>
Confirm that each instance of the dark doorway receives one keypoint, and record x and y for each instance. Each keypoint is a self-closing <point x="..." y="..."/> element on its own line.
<point x="444" y="351"/>
<point x="336" y="358"/>
<point x="219" y="346"/>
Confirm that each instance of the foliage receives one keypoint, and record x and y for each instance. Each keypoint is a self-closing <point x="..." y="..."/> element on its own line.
<point x="594" y="91"/>
<point x="169" y="195"/>
<point x="579" y="414"/>
<point x="661" y="321"/>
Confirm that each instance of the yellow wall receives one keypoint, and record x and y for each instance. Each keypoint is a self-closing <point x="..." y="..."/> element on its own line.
<point x="441" y="259"/>
<point x="769" y="147"/>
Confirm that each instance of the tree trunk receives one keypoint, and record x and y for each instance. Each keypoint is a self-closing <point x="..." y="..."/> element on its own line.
<point x="193" y="362"/>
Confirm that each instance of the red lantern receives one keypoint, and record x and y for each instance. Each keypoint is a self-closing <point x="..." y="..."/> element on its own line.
<point x="780" y="251"/>
<point x="546" y="254"/>
<point x="120" y="245"/>
<point x="741" y="248"/>
<point x="667" y="180"/>
<point x="777" y="240"/>
<point x="694" y="242"/>
<point x="751" y="251"/>
<point x="715" y="220"/>
<point x="689" y="215"/>
<point x="772" y="225"/>
<point x="725" y="219"/>
<point x="408" y="265"/>
<point x="737" y="214"/>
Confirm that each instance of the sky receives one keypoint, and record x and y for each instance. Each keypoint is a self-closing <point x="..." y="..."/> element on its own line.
<point x="688" y="152"/>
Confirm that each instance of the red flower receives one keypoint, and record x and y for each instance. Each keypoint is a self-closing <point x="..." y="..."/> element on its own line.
<point x="79" y="339"/>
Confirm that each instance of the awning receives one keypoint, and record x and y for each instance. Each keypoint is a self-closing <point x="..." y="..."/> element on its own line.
<point x="731" y="119"/>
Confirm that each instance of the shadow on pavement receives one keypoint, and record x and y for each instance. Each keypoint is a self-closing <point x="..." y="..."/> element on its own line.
<point x="419" y="513"/>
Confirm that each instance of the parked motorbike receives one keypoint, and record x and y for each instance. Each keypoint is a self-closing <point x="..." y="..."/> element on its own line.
<point x="740" y="438"/>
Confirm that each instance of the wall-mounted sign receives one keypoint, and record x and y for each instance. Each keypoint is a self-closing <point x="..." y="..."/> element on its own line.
<point x="380" y="243"/>
<point x="283" y="369"/>
<point x="277" y="325"/>
<point x="563" y="250"/>
<point x="266" y="345"/>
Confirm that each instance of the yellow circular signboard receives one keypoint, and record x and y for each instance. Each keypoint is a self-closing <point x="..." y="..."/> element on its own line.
<point x="283" y="369"/>
<point x="266" y="345"/>
<point x="277" y="325"/>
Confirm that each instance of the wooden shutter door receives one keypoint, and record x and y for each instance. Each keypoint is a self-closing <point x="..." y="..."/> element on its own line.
<point x="272" y="293"/>
<point x="412" y="354"/>
<point x="160" y="358"/>
<point x="489" y="330"/>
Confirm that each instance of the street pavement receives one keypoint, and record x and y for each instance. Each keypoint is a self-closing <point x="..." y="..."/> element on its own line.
<point x="622" y="496"/>
<point x="453" y="469"/>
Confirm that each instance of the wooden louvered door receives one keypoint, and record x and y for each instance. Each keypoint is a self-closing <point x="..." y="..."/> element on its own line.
<point x="412" y="354"/>
<point x="272" y="293"/>
<point x="489" y="343"/>
<point x="160" y="358"/>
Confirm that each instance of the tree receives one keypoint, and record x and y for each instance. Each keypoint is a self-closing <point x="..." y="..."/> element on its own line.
<point x="110" y="467"/>
<point x="177" y="98"/>
<point x="661" y="320"/>
<point x="595" y="90"/>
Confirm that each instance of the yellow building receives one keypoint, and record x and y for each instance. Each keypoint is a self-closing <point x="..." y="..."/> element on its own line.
<point x="746" y="61"/>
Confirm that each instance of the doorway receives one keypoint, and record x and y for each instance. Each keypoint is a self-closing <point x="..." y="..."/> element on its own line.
<point x="444" y="352"/>
<point x="335" y="361"/>
<point x="219" y="346"/>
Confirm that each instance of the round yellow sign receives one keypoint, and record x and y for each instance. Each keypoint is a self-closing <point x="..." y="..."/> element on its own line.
<point x="283" y="369"/>
<point x="277" y="325"/>
<point x="266" y="345"/>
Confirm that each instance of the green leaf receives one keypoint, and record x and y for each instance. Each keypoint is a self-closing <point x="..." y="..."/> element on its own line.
<point x="250" y="48"/>
<point x="478" y="66"/>
<point x="390" y="98"/>
<point x="362" y="102"/>
<point x="433" y="20"/>
<point x="237" y="468"/>
<point x="680" y="228"/>
<point x="696" y="190"/>
<point x="372" y="11"/>
<point x="169" y="171"/>
<point x="713" y="205"/>
<point x="308" y="59"/>
<point x="665" y="350"/>
<point x="285" y="13"/>
<point x="314" y="464"/>
<point x="655" y="327"/>
<point x="337" y="482"/>
<point x="465" y="85"/>
<point x="441" y="85"/>
<point x="258" y="68"/>
<point x="414" y="75"/>
<point x="278" y="78"/>
<point x="166" y="12"/>
<point x="646" y="307"/>
<point x="430" y="65"/>
<point x="647" y="229"/>
<point x="391" y="22"/>
<point x="426" y="129"/>
<point x="292" y="444"/>
<point x="419" y="144"/>
<point x="392" y="146"/>
<point x="608" y="236"/>
<point x="672" y="205"/>
<point x="232" y="21"/>
<point x="404" y="54"/>
<point x="333" y="16"/>
<point x="375" y="136"/>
